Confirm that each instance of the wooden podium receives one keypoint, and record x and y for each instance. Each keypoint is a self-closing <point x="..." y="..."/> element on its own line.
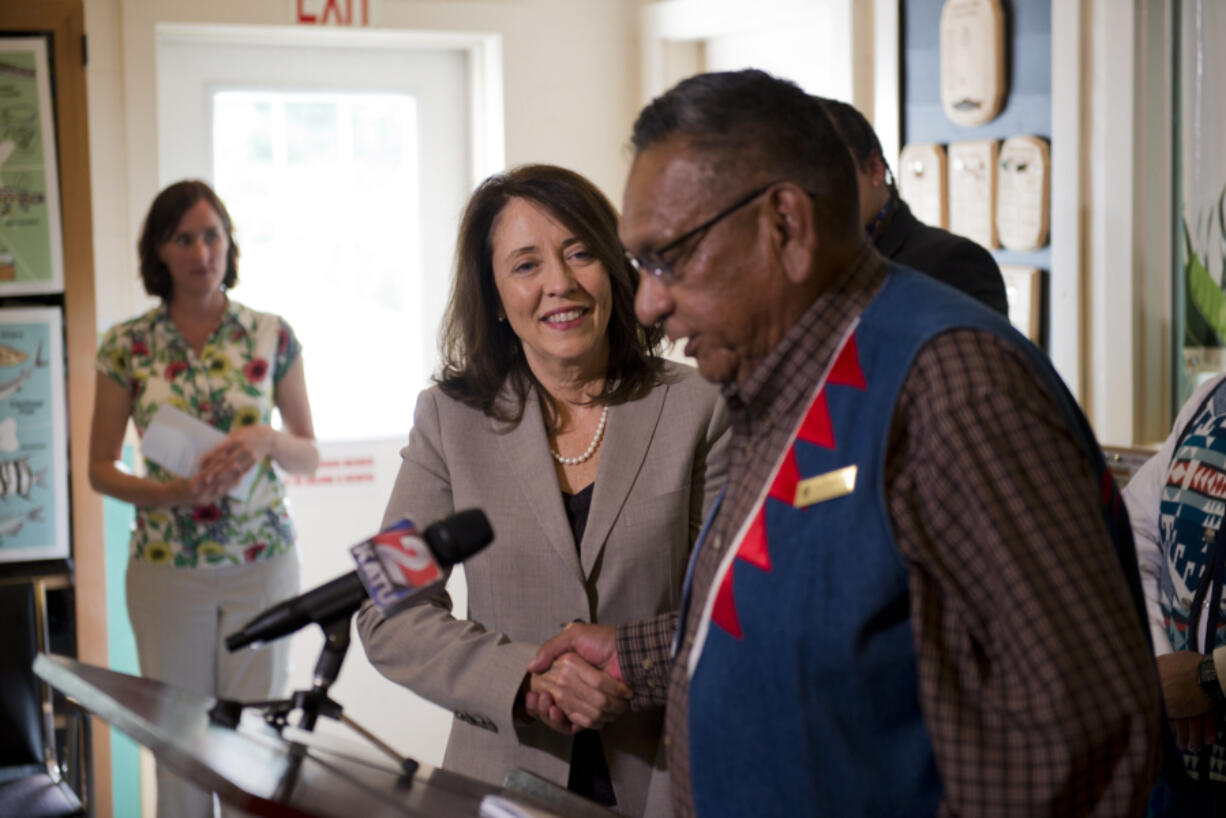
<point x="255" y="769"/>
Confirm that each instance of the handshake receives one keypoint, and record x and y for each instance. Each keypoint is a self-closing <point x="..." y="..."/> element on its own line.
<point x="575" y="682"/>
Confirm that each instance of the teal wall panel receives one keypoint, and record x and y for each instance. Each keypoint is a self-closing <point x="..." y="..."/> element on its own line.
<point x="121" y="644"/>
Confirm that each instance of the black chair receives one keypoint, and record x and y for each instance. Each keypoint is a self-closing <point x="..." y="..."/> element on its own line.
<point x="33" y="781"/>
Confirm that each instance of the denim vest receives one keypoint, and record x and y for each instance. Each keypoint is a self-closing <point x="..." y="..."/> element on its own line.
<point x="803" y="696"/>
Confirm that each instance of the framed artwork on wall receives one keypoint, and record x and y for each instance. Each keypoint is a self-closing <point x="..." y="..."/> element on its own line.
<point x="33" y="436"/>
<point x="31" y="249"/>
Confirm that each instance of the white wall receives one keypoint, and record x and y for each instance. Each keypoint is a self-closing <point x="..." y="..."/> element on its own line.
<point x="811" y="42"/>
<point x="1111" y="203"/>
<point x="807" y="53"/>
<point x="115" y="269"/>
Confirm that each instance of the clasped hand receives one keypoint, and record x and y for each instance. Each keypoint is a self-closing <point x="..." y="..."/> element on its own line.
<point x="1190" y="712"/>
<point x="574" y="682"/>
<point x="222" y="467"/>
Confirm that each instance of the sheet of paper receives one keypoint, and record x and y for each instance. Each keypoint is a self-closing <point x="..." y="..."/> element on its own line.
<point x="176" y="441"/>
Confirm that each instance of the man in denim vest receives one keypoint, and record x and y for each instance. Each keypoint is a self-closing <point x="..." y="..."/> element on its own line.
<point x="918" y="594"/>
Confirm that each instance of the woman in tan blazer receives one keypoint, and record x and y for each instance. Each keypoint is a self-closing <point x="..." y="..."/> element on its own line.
<point x="593" y="458"/>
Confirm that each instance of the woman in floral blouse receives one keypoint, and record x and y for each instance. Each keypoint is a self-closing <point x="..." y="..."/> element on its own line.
<point x="203" y="560"/>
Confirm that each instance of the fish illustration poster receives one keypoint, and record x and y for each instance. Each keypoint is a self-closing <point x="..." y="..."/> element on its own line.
<point x="31" y="253"/>
<point x="33" y="432"/>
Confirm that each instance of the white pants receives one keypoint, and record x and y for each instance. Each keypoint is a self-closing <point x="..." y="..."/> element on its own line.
<point x="181" y="617"/>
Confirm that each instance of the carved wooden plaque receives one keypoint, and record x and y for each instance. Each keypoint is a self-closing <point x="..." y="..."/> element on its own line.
<point x="921" y="182"/>
<point x="1022" y="193"/>
<point x="972" y="60"/>
<point x="1022" y="288"/>
<point x="972" y="190"/>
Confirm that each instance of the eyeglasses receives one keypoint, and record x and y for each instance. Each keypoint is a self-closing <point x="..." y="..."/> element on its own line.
<point x="654" y="262"/>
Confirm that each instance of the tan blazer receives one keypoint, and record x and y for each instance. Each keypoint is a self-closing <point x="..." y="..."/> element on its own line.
<point x="662" y="462"/>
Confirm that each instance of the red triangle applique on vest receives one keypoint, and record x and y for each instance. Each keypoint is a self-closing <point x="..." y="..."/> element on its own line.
<point x="815" y="428"/>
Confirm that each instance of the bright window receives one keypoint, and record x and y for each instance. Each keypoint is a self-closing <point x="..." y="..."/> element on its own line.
<point x="323" y="191"/>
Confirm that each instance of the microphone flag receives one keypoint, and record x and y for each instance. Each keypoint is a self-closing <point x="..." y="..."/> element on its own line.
<point x="395" y="565"/>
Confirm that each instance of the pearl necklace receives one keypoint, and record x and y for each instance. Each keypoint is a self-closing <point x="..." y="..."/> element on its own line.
<point x="591" y="449"/>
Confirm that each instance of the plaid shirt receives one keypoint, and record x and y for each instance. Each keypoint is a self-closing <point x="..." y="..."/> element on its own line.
<point x="1035" y="678"/>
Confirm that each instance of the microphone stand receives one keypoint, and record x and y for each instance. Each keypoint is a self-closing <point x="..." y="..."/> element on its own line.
<point x="315" y="702"/>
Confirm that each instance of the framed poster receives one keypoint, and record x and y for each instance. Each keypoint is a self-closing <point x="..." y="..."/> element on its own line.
<point x="31" y="249"/>
<point x="33" y="436"/>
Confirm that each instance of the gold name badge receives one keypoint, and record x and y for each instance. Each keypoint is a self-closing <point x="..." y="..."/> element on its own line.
<point x="826" y="486"/>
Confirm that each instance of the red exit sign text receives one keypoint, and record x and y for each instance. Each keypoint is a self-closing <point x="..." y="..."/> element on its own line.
<point x="354" y="13"/>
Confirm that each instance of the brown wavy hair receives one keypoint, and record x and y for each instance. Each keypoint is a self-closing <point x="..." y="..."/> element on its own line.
<point x="164" y="216"/>
<point x="481" y="353"/>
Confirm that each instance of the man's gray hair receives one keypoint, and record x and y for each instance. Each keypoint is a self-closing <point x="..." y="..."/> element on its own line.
<point x="756" y="125"/>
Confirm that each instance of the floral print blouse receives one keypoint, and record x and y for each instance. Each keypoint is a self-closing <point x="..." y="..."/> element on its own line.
<point x="230" y="383"/>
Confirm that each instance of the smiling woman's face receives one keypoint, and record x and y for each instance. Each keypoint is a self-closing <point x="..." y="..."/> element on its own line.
<point x="554" y="292"/>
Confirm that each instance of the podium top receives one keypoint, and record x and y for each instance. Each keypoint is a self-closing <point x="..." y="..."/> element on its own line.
<point x="252" y="767"/>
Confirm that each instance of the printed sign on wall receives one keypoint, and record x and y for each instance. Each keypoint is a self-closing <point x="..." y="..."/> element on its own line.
<point x="33" y="431"/>
<point x="343" y="13"/>
<point x="31" y="253"/>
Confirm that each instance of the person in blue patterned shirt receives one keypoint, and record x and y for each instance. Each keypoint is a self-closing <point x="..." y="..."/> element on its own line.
<point x="1176" y="503"/>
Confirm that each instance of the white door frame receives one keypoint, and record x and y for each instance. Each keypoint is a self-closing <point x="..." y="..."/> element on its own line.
<point x="486" y="110"/>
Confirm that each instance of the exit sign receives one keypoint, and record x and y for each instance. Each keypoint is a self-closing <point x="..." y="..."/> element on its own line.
<point x="343" y="13"/>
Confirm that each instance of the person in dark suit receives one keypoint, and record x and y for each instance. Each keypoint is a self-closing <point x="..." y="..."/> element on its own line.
<point x="897" y="234"/>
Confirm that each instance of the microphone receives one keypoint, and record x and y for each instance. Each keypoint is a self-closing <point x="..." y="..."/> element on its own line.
<point x="394" y="567"/>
